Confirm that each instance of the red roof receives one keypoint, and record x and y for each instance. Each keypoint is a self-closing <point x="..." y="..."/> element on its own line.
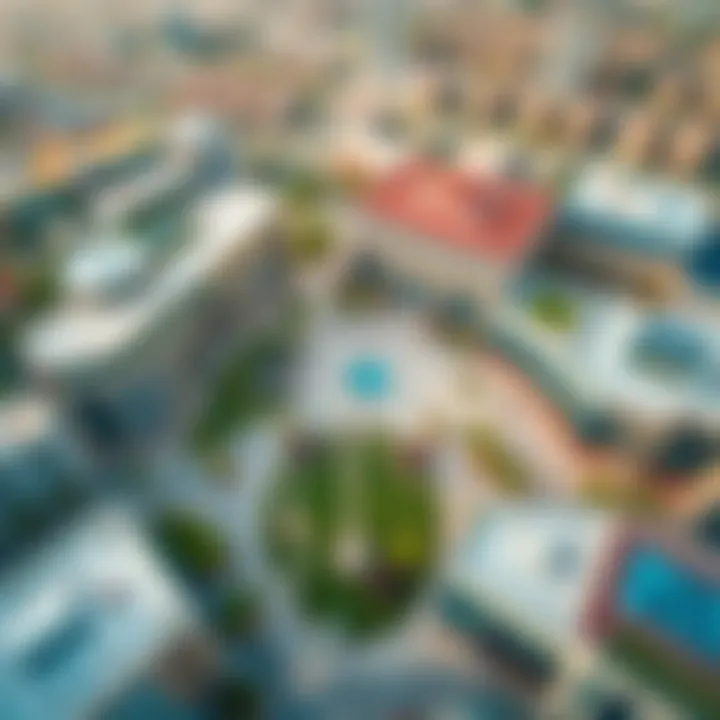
<point x="494" y="217"/>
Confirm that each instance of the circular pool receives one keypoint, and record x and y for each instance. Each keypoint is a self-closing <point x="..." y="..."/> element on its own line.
<point x="369" y="378"/>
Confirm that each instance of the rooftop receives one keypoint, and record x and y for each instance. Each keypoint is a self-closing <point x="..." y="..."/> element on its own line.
<point x="86" y="618"/>
<point x="495" y="218"/>
<point x="532" y="566"/>
<point x="613" y="354"/>
<point x="658" y="216"/>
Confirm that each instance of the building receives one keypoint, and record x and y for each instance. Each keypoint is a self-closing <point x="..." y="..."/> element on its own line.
<point x="616" y="371"/>
<point x="440" y="233"/>
<point x="564" y="598"/>
<point x="88" y="624"/>
<point x="142" y="323"/>
<point x="641" y="232"/>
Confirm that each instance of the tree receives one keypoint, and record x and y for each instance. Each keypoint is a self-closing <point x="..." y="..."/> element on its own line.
<point x="196" y="545"/>
<point x="237" y="699"/>
<point x="239" y="614"/>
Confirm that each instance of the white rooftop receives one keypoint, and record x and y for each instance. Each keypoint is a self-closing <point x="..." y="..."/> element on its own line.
<point x="533" y="567"/>
<point x="678" y="214"/>
<point x="104" y="267"/>
<point x="83" y="619"/>
<point x="595" y="358"/>
<point x="78" y="334"/>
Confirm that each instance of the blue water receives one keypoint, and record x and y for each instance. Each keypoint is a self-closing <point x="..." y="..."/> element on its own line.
<point x="369" y="379"/>
<point x="661" y="594"/>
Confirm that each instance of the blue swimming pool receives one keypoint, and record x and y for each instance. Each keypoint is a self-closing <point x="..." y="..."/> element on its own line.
<point x="369" y="378"/>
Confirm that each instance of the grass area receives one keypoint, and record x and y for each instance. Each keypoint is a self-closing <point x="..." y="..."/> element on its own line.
<point x="193" y="543"/>
<point x="503" y="466"/>
<point x="247" y="387"/>
<point x="554" y="310"/>
<point x="670" y="677"/>
<point x="353" y="525"/>
<point x="308" y="234"/>
<point x="627" y="495"/>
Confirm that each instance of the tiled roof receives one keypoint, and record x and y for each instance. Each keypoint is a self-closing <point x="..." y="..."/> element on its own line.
<point x="493" y="217"/>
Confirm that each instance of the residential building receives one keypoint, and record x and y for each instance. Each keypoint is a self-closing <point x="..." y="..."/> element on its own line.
<point x="443" y="233"/>
<point x="90" y="621"/>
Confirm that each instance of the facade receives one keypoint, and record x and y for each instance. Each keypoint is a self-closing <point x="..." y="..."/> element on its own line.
<point x="449" y="234"/>
<point x="86" y="619"/>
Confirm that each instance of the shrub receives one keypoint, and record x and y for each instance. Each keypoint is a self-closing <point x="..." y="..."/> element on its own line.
<point x="195" y="544"/>
<point x="500" y="462"/>
<point x="239" y="614"/>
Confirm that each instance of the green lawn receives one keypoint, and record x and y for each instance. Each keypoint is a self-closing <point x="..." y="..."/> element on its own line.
<point x="502" y="465"/>
<point x="244" y="390"/>
<point x="363" y="499"/>
<point x="628" y="496"/>
<point x="554" y="310"/>
<point x="669" y="676"/>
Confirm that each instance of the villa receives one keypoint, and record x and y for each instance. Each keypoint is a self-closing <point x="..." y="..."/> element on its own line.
<point x="442" y="233"/>
<point x="93" y="624"/>
<point x="563" y="597"/>
<point x="640" y="231"/>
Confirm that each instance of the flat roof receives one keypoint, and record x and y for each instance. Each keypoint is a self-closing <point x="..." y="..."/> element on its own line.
<point x="82" y="619"/>
<point x="491" y="217"/>
<point x="73" y="335"/>
<point x="532" y="566"/>
<point x="664" y="216"/>
<point x="598" y="356"/>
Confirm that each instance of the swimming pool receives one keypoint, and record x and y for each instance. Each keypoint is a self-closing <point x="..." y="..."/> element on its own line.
<point x="369" y="379"/>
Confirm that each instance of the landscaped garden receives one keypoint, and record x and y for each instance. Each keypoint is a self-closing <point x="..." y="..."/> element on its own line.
<point x="193" y="544"/>
<point x="352" y="526"/>
<point x="554" y="310"/>
<point x="306" y="229"/>
<point x="502" y="465"/>
<point x="250" y="385"/>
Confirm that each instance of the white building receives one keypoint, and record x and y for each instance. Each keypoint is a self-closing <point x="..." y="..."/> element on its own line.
<point x="137" y="326"/>
<point x="85" y="619"/>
